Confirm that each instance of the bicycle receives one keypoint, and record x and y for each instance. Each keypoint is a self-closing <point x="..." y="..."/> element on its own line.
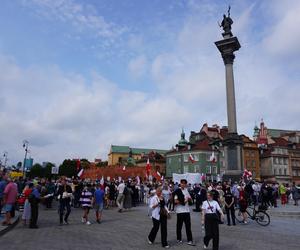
<point x="260" y="216"/>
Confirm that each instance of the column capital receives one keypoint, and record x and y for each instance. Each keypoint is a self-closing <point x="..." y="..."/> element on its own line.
<point x="228" y="58"/>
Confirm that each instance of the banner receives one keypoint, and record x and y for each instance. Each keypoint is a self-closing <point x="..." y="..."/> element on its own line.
<point x="190" y="177"/>
<point x="54" y="170"/>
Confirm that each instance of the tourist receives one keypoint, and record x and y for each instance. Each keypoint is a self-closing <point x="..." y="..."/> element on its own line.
<point x="229" y="206"/>
<point x="255" y="194"/>
<point x="295" y="194"/>
<point x="210" y="220"/>
<point x="27" y="207"/>
<point x="243" y="204"/>
<point x="127" y="196"/>
<point x="182" y="199"/>
<point x="34" y="199"/>
<point x="98" y="203"/>
<point x="86" y="200"/>
<point x="3" y="182"/>
<point x="282" y="193"/>
<point x="159" y="218"/>
<point x="120" y="198"/>
<point x="64" y="195"/>
<point x="9" y="199"/>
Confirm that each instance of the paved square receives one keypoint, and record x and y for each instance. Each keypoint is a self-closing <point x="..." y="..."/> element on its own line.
<point x="129" y="230"/>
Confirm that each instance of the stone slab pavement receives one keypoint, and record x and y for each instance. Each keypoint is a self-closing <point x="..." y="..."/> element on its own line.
<point x="129" y="230"/>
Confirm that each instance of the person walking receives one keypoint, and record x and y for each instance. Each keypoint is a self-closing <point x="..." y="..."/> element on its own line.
<point x="98" y="203"/>
<point x="210" y="221"/>
<point x="159" y="218"/>
<point x="120" y="198"/>
<point x="27" y="207"/>
<point x="282" y="192"/>
<point x="182" y="199"/>
<point x="86" y="203"/>
<point x="34" y="199"/>
<point x="9" y="197"/>
<point x="64" y="195"/>
<point x="229" y="206"/>
<point x="295" y="194"/>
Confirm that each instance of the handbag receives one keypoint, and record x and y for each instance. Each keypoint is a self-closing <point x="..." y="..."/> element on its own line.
<point x="216" y="216"/>
<point x="164" y="213"/>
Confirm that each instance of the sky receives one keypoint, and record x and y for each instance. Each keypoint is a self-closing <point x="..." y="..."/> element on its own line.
<point x="77" y="76"/>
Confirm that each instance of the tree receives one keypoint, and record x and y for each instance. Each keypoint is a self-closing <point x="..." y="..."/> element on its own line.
<point x="36" y="171"/>
<point x="68" y="168"/>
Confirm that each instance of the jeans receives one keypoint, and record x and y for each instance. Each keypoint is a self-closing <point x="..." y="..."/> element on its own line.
<point x="64" y="204"/>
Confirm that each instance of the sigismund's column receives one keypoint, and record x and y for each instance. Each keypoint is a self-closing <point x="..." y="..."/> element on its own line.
<point x="232" y="143"/>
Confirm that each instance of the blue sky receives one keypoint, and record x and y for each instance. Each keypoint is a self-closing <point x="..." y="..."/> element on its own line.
<point x="77" y="76"/>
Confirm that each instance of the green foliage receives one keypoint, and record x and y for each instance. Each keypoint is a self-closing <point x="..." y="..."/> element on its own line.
<point x="68" y="168"/>
<point x="102" y="164"/>
<point x="37" y="170"/>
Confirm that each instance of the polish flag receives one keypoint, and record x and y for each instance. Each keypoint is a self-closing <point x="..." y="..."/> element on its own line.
<point x="247" y="174"/>
<point x="148" y="167"/>
<point x="80" y="173"/>
<point x="158" y="173"/>
<point x="212" y="158"/>
<point x="191" y="158"/>
<point x="102" y="181"/>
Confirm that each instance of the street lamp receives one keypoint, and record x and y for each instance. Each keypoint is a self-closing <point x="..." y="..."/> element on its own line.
<point x="25" y="146"/>
<point x="5" y="154"/>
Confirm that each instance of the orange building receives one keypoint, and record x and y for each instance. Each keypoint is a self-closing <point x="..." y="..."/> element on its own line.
<point x="251" y="157"/>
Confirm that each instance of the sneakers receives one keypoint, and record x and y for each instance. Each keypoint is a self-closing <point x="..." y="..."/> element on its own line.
<point x="83" y="220"/>
<point x="204" y="246"/>
<point x="179" y="241"/>
<point x="66" y="222"/>
<point x="150" y="242"/>
<point x="191" y="243"/>
<point x="98" y="221"/>
<point x="167" y="246"/>
<point x="88" y="223"/>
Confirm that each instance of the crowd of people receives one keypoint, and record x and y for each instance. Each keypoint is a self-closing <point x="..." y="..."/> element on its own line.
<point x="213" y="199"/>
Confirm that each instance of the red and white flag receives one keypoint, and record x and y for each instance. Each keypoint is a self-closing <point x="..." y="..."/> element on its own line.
<point x="102" y="181"/>
<point x="124" y="168"/>
<point x="148" y="167"/>
<point x="247" y="174"/>
<point x="158" y="173"/>
<point x="80" y="173"/>
<point x="212" y="158"/>
<point x="191" y="158"/>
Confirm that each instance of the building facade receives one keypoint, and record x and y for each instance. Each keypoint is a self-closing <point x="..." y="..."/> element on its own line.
<point x="250" y="156"/>
<point x="201" y="154"/>
<point x="118" y="154"/>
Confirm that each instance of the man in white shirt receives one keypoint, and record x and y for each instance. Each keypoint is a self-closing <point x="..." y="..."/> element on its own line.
<point x="182" y="199"/>
<point x="120" y="198"/>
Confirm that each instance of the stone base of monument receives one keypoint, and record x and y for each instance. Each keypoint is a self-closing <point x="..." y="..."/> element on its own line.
<point x="233" y="145"/>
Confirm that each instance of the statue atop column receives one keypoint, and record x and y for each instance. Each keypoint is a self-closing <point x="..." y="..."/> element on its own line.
<point x="226" y="25"/>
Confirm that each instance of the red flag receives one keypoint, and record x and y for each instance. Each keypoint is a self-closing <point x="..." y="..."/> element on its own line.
<point x="191" y="158"/>
<point x="148" y="167"/>
<point x="78" y="165"/>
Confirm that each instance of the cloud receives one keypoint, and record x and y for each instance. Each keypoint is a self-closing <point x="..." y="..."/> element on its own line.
<point x="137" y="66"/>
<point x="63" y="115"/>
<point x="82" y="16"/>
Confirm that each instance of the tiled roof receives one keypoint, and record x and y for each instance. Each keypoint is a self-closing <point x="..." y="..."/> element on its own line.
<point x="126" y="150"/>
<point x="280" y="142"/>
<point x="279" y="132"/>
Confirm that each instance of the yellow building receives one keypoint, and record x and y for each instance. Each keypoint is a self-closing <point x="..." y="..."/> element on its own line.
<point x="119" y="153"/>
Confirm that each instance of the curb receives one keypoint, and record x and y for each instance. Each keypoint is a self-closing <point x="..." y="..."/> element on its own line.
<point x="8" y="228"/>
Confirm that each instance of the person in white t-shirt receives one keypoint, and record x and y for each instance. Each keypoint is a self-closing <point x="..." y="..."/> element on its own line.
<point x="159" y="218"/>
<point x="210" y="220"/>
<point x="182" y="199"/>
<point x="120" y="198"/>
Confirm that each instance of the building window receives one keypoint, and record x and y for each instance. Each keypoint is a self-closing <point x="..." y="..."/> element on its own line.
<point x="197" y="169"/>
<point x="253" y="163"/>
<point x="284" y="171"/>
<point x="281" y="161"/>
<point x="185" y="169"/>
<point x="215" y="170"/>
<point x="170" y="160"/>
<point x="280" y="172"/>
<point x="208" y="169"/>
<point x="196" y="157"/>
<point x="274" y="171"/>
<point x="208" y="156"/>
<point x="276" y="160"/>
<point x="294" y="173"/>
<point x="179" y="159"/>
<point x="285" y="161"/>
<point x="185" y="158"/>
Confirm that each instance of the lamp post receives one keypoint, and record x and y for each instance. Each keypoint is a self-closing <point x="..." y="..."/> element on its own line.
<point x="25" y="146"/>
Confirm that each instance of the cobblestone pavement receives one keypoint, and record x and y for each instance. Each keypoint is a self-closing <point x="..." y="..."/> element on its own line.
<point x="129" y="231"/>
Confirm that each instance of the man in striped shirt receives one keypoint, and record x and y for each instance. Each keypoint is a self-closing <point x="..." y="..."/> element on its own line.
<point x="86" y="203"/>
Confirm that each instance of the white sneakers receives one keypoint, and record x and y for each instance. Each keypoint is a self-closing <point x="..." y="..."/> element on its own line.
<point x="88" y="223"/>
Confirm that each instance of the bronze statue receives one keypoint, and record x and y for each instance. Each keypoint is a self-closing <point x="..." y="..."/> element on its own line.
<point x="226" y="23"/>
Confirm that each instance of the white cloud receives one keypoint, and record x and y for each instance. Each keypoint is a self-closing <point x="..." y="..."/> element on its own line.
<point x="81" y="16"/>
<point x="137" y="66"/>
